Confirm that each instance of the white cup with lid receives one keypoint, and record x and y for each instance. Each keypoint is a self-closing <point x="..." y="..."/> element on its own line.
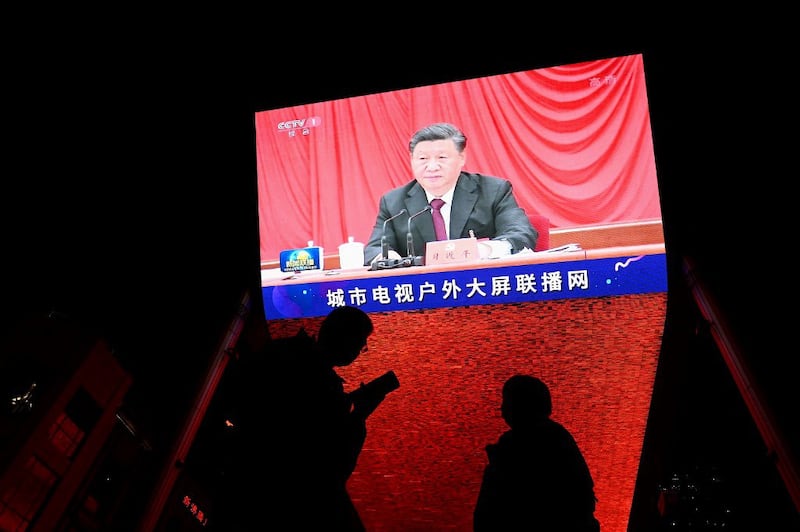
<point x="351" y="254"/>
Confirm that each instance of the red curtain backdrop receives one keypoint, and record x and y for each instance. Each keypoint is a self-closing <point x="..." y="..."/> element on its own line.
<point x="575" y="141"/>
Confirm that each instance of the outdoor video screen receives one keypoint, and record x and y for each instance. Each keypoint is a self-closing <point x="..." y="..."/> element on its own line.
<point x="586" y="314"/>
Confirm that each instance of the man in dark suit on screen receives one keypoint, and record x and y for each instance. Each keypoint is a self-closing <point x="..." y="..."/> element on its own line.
<point x="470" y="204"/>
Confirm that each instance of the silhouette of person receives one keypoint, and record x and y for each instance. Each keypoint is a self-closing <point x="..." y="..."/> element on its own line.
<point x="536" y="477"/>
<point x="310" y="431"/>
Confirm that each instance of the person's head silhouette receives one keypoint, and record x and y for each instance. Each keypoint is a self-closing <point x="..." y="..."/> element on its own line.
<point x="343" y="335"/>
<point x="526" y="401"/>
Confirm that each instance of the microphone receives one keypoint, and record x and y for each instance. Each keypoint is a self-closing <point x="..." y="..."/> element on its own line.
<point x="384" y="244"/>
<point x="416" y="261"/>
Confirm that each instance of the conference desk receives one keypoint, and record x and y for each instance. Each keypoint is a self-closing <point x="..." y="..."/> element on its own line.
<point x="588" y="322"/>
<point x="589" y="236"/>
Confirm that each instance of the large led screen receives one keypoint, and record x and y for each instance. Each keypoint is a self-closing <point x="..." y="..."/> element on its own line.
<point x="585" y="313"/>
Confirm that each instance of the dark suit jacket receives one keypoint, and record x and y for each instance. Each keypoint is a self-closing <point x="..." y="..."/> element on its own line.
<point x="484" y="204"/>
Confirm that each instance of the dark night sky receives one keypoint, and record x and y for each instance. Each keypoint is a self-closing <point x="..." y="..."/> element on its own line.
<point x="132" y="173"/>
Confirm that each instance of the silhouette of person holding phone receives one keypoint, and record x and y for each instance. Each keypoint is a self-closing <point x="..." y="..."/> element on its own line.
<point x="310" y="430"/>
<point x="536" y="477"/>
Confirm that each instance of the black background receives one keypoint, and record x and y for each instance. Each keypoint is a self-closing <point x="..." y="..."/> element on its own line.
<point x="130" y="182"/>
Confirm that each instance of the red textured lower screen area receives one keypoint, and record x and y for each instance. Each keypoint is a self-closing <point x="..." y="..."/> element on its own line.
<point x="422" y="463"/>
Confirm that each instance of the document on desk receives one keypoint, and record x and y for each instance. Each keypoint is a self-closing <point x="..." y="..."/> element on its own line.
<point x="565" y="247"/>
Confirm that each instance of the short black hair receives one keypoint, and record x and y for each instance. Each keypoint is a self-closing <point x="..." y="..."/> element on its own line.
<point x="345" y="323"/>
<point x="528" y="396"/>
<point x="439" y="131"/>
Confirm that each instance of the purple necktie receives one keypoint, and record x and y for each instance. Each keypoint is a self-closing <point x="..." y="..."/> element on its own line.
<point x="438" y="220"/>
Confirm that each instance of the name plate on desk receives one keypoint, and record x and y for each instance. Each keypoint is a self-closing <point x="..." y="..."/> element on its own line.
<point x="451" y="251"/>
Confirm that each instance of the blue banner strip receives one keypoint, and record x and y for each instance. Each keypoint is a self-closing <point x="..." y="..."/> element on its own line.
<point x="484" y="286"/>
